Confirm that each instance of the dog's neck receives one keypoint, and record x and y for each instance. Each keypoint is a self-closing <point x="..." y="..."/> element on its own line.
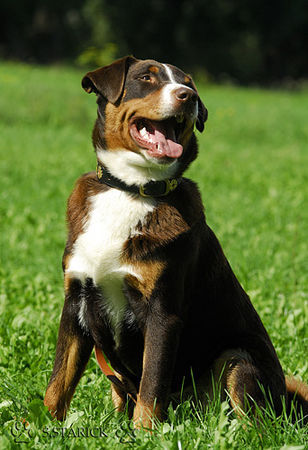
<point x="133" y="168"/>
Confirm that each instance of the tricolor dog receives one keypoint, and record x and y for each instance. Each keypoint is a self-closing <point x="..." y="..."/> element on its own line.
<point x="146" y="281"/>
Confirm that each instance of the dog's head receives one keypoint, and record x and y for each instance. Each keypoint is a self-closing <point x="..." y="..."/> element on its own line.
<point x="148" y="109"/>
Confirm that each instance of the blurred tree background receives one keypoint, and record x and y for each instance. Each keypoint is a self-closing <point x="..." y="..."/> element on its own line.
<point x="257" y="41"/>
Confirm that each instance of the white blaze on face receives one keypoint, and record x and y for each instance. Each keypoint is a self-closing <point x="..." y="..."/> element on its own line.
<point x="170" y="74"/>
<point x="168" y="98"/>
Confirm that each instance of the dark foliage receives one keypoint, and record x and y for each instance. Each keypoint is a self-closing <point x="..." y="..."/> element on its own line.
<point x="257" y="41"/>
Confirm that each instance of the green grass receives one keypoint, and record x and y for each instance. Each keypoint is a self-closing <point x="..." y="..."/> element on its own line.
<point x="252" y="171"/>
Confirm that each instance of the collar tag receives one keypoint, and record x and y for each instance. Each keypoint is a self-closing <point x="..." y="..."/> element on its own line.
<point x="99" y="171"/>
<point x="170" y="185"/>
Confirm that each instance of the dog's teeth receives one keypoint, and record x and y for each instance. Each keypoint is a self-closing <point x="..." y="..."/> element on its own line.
<point x="159" y="148"/>
<point x="143" y="132"/>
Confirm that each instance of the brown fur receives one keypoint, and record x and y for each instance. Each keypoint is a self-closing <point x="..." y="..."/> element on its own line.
<point x="297" y="394"/>
<point x="154" y="69"/>
<point x="149" y="272"/>
<point x="119" y="396"/>
<point x="78" y="208"/>
<point x="61" y="388"/>
<point x="144" y="414"/>
<point x="116" y="130"/>
<point x="297" y="387"/>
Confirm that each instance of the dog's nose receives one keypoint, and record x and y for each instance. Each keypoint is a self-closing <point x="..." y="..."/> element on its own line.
<point x="184" y="94"/>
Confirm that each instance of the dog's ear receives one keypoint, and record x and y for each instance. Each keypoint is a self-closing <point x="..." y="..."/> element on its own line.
<point x="109" y="80"/>
<point x="202" y="112"/>
<point x="202" y="116"/>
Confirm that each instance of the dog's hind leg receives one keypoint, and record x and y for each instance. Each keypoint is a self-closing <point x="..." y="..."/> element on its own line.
<point x="247" y="385"/>
<point x="243" y="387"/>
<point x="72" y="354"/>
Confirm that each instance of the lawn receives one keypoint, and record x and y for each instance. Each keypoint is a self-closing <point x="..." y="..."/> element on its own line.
<point x="252" y="172"/>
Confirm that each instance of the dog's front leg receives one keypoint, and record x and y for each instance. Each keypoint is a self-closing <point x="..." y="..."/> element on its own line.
<point x="72" y="354"/>
<point x="160" y="348"/>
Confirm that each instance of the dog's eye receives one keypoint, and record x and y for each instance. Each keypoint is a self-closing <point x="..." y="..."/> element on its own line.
<point x="145" y="78"/>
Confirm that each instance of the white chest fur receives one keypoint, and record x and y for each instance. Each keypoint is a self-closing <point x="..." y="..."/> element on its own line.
<point x="112" y="219"/>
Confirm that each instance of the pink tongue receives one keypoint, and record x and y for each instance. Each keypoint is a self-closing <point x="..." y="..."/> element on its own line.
<point x="165" y="146"/>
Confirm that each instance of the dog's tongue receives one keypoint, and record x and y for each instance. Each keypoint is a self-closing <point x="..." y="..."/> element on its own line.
<point x="164" y="141"/>
<point x="158" y="137"/>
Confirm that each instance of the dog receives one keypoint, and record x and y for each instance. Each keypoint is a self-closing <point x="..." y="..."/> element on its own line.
<point x="146" y="281"/>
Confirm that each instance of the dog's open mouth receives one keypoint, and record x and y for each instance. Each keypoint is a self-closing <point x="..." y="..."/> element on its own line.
<point x="160" y="138"/>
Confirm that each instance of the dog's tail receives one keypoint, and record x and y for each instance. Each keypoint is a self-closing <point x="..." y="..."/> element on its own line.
<point x="297" y="400"/>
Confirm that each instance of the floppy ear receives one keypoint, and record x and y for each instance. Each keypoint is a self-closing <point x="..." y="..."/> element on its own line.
<point x="202" y="116"/>
<point x="109" y="80"/>
<point x="202" y="112"/>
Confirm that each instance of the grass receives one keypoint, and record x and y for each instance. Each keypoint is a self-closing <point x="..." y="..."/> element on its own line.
<point x="252" y="172"/>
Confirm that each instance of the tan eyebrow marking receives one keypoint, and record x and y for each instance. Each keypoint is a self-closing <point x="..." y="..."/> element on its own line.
<point x="154" y="69"/>
<point x="187" y="79"/>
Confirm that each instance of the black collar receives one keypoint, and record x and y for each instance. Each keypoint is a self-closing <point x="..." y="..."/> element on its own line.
<point x="151" y="189"/>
